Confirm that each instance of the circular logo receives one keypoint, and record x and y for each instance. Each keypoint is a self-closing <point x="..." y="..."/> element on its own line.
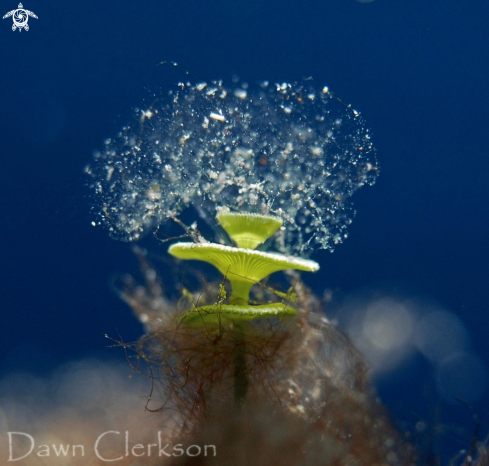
<point x="20" y="18"/>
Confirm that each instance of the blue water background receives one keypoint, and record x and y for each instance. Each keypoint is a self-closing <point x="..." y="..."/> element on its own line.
<point x="417" y="70"/>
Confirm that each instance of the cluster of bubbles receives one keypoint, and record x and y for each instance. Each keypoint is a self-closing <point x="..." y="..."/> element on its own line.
<point x="289" y="150"/>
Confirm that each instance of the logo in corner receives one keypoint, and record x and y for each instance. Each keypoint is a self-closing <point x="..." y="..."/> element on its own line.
<point x="20" y="17"/>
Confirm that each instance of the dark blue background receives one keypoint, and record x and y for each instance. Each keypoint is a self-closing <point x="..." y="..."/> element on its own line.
<point x="417" y="69"/>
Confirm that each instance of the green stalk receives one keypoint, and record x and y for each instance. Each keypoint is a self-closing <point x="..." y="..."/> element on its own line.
<point x="240" y="368"/>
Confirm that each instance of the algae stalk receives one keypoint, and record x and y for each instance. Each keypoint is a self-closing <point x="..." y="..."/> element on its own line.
<point x="240" y="366"/>
<point x="243" y="266"/>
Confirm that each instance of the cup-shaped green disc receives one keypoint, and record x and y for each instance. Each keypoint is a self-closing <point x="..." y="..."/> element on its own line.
<point x="222" y="313"/>
<point x="248" y="230"/>
<point x="242" y="267"/>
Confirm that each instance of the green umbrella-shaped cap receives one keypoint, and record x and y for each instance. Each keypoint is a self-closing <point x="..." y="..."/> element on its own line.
<point x="248" y="230"/>
<point x="243" y="267"/>
<point x="222" y="313"/>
